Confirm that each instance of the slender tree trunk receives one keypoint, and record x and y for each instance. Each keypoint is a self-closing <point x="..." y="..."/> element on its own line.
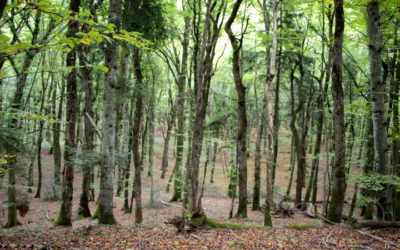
<point x="367" y="210"/>
<point x="16" y="105"/>
<point x="396" y="131"/>
<point x="180" y="109"/>
<point x="56" y="140"/>
<point x="378" y="108"/>
<point x="31" y="164"/>
<point x="203" y="74"/>
<point x="123" y="79"/>
<point x="126" y="207"/>
<point x="242" y="116"/>
<point x="271" y="133"/>
<point x="339" y="174"/>
<point x="88" y="145"/>
<point x="257" y="164"/>
<point x="353" y="202"/>
<point x="41" y="127"/>
<point x="151" y="140"/>
<point x="64" y="217"/>
<point x="317" y="149"/>
<point x="135" y="134"/>
<point x="276" y="118"/>
<point x="170" y="124"/>
<point x="296" y="142"/>
<point x="292" y="166"/>
<point x="214" y="159"/>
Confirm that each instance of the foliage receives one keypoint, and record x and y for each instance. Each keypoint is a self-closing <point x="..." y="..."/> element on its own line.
<point x="148" y="19"/>
<point x="377" y="182"/>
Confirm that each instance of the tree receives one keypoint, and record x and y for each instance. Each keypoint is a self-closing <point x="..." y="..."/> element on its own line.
<point x="339" y="175"/>
<point x="271" y="131"/>
<point x="64" y="217"/>
<point x="378" y="107"/>
<point x="104" y="211"/>
<point x="203" y="71"/>
<point x="241" y="107"/>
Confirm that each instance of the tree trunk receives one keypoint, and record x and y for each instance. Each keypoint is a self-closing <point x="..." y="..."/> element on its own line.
<point x="353" y="201"/>
<point x="292" y="163"/>
<point x="339" y="175"/>
<point x="170" y="125"/>
<point x="88" y="145"/>
<point x="276" y="118"/>
<point x="367" y="210"/>
<point x="271" y="129"/>
<point x="16" y="105"/>
<point x="214" y="159"/>
<point x="104" y="211"/>
<point x="42" y="111"/>
<point x="203" y="74"/>
<point x="56" y="139"/>
<point x="396" y="142"/>
<point x="257" y="164"/>
<point x="151" y="139"/>
<point x="180" y="131"/>
<point x="64" y="217"/>
<point x="378" y="108"/>
<point x="241" y="107"/>
<point x="123" y="79"/>
<point x="32" y="162"/>
<point x="139" y="87"/>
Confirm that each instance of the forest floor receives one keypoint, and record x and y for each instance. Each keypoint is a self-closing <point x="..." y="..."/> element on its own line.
<point x="299" y="232"/>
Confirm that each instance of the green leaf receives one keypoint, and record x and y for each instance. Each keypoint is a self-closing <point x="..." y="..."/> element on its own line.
<point x="101" y="67"/>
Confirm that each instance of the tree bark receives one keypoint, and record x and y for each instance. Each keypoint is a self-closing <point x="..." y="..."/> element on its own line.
<point x="136" y="134"/>
<point x="88" y="145"/>
<point x="203" y="75"/>
<point x="104" y="211"/>
<point x="257" y="164"/>
<point x="180" y="109"/>
<point x="170" y="125"/>
<point x="339" y="175"/>
<point x="56" y="139"/>
<point x="16" y="105"/>
<point x="64" y="217"/>
<point x="271" y="129"/>
<point x="241" y="107"/>
<point x="396" y="142"/>
<point x="378" y="108"/>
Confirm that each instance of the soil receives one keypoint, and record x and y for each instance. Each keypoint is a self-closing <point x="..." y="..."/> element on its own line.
<point x="299" y="232"/>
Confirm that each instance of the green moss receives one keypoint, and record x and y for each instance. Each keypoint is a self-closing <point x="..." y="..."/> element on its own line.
<point x="62" y="219"/>
<point x="199" y="220"/>
<point x="300" y="226"/>
<point x="203" y="220"/>
<point x="219" y="224"/>
<point x="103" y="217"/>
<point x="267" y="215"/>
<point x="12" y="220"/>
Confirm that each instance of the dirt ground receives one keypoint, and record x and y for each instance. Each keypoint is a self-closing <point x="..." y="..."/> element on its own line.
<point x="37" y="226"/>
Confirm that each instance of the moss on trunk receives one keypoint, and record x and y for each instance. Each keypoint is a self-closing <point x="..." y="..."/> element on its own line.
<point x="204" y="221"/>
<point x="103" y="217"/>
<point x="267" y="215"/>
<point x="62" y="219"/>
